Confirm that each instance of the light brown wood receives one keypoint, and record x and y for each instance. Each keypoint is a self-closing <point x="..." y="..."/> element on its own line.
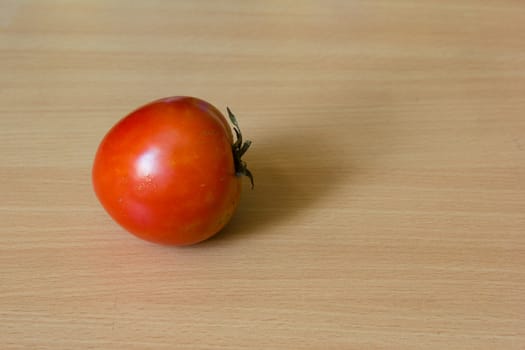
<point x="389" y="159"/>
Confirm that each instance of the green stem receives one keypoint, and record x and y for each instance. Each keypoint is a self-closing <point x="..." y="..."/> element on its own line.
<point x="239" y="148"/>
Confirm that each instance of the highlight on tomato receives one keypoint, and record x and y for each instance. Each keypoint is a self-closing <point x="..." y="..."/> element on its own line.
<point x="170" y="172"/>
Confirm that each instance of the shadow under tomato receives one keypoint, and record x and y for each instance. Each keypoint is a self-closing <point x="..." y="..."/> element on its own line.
<point x="291" y="172"/>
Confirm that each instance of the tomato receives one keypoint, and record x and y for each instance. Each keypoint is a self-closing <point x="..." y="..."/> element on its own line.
<point x="170" y="172"/>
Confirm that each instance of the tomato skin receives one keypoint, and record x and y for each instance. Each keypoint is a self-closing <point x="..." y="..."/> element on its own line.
<point x="166" y="172"/>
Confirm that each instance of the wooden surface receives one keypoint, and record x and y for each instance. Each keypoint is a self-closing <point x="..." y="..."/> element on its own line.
<point x="389" y="157"/>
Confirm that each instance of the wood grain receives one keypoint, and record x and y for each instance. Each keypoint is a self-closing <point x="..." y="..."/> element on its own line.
<point x="389" y="158"/>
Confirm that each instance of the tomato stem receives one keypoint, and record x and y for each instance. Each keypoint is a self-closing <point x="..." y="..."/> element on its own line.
<point x="239" y="148"/>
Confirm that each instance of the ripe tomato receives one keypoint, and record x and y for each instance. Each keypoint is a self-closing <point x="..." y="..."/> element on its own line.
<point x="169" y="172"/>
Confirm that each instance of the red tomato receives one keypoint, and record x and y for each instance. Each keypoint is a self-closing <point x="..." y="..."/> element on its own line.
<point x="169" y="172"/>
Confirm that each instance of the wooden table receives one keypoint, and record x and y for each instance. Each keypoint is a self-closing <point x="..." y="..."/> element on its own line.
<point x="389" y="158"/>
